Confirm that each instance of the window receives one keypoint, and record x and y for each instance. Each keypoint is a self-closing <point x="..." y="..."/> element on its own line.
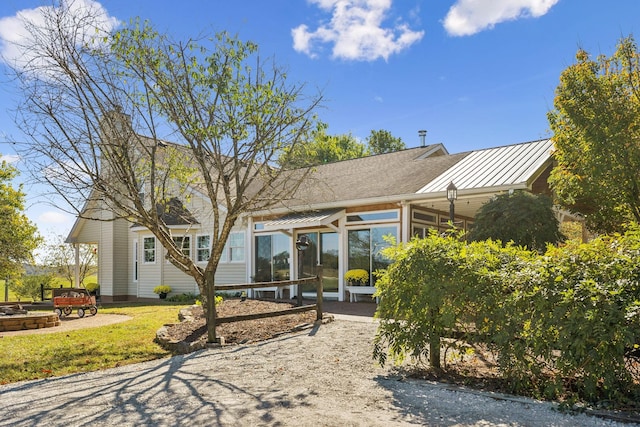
<point x="149" y="244"/>
<point x="183" y="242"/>
<point x="425" y="217"/>
<point x="234" y="249"/>
<point x="272" y="257"/>
<point x="365" y="247"/>
<point x="203" y="248"/>
<point x="322" y="249"/>
<point x="382" y="216"/>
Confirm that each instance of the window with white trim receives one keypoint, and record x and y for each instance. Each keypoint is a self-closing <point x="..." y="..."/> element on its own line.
<point x="374" y="216"/>
<point x="234" y="249"/>
<point x="183" y="242"/>
<point x="149" y="247"/>
<point x="203" y="248"/>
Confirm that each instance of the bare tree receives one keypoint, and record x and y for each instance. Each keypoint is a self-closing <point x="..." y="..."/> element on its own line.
<point x="90" y="95"/>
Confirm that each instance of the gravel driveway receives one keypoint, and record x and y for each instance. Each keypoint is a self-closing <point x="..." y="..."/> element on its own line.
<point x="319" y="377"/>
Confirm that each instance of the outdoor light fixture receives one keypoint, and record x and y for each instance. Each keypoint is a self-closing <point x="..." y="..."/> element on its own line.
<point x="301" y="245"/>
<point x="452" y="195"/>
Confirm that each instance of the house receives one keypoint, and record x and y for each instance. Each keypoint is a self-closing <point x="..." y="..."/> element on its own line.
<point x="343" y="210"/>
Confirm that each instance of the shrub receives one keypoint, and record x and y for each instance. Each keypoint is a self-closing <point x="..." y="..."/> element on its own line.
<point x="191" y="298"/>
<point x="565" y="323"/>
<point x="416" y="304"/>
<point x="522" y="218"/>
<point x="91" y="286"/>
<point x="29" y="286"/>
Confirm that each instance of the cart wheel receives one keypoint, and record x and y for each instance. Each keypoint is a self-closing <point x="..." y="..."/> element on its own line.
<point x="93" y="310"/>
<point x="58" y="312"/>
<point x="81" y="312"/>
<point x="67" y="311"/>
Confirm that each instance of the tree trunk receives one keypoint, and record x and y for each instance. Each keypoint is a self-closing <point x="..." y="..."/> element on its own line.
<point x="210" y="307"/>
<point x="434" y="339"/>
<point x="434" y="350"/>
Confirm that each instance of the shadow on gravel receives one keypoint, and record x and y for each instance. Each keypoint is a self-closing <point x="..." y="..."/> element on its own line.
<point x="180" y="390"/>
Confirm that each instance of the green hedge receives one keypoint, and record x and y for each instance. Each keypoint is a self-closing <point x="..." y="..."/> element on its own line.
<point x="562" y="323"/>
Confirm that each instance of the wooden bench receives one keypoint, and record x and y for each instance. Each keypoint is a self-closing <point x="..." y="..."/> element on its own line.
<point x="277" y="291"/>
<point x="354" y="291"/>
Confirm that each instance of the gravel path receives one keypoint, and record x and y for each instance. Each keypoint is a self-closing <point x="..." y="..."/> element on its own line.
<point x="319" y="377"/>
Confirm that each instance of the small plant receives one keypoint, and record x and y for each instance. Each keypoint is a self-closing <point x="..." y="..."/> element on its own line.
<point x="91" y="287"/>
<point x="357" y="277"/>
<point x="188" y="297"/>
<point x="162" y="289"/>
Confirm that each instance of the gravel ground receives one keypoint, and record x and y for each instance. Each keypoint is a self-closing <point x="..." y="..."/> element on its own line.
<point x="319" y="377"/>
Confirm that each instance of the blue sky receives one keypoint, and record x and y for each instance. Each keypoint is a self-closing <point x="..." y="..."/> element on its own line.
<point x="473" y="73"/>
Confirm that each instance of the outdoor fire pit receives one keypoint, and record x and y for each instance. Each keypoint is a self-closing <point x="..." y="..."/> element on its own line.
<point x="14" y="318"/>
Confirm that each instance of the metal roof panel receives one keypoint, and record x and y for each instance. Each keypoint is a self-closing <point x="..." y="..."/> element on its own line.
<point x="494" y="167"/>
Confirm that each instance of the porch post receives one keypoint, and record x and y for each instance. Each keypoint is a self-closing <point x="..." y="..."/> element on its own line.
<point x="76" y="247"/>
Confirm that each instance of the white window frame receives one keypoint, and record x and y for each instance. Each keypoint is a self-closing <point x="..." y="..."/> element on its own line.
<point x="182" y="248"/>
<point x="199" y="249"/>
<point x="373" y="221"/>
<point x="227" y="251"/>
<point x="231" y="248"/>
<point x="144" y="250"/>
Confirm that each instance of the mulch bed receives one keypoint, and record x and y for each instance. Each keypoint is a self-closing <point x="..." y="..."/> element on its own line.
<point x="246" y="331"/>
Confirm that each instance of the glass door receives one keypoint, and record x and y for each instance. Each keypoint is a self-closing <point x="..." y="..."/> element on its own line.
<point x="322" y="249"/>
<point x="272" y="258"/>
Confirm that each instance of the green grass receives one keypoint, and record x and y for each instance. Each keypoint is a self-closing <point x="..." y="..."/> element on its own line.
<point x="27" y="357"/>
<point x="12" y="296"/>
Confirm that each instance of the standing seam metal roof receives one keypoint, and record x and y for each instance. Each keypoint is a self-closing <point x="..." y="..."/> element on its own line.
<point x="494" y="167"/>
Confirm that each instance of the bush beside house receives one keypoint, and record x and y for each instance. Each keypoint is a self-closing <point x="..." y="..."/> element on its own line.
<point x="562" y="324"/>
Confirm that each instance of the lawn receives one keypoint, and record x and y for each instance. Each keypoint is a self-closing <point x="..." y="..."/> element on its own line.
<point x="28" y="357"/>
<point x="3" y="294"/>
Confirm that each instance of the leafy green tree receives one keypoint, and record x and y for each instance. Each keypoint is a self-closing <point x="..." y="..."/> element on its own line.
<point x="522" y="218"/>
<point x="18" y="236"/>
<point x="381" y="141"/>
<point x="29" y="286"/>
<point x="322" y="148"/>
<point x="97" y="104"/>
<point x="596" y="128"/>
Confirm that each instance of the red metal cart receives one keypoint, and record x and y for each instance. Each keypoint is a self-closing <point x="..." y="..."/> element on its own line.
<point x="65" y="300"/>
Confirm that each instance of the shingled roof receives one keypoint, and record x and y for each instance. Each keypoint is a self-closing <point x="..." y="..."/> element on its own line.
<point x="385" y="175"/>
<point x="421" y="175"/>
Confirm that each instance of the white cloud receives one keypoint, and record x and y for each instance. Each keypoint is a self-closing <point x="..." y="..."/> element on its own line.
<point x="468" y="17"/>
<point x="9" y="158"/>
<point x="17" y="32"/>
<point x="356" y="31"/>
<point x="54" y="218"/>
